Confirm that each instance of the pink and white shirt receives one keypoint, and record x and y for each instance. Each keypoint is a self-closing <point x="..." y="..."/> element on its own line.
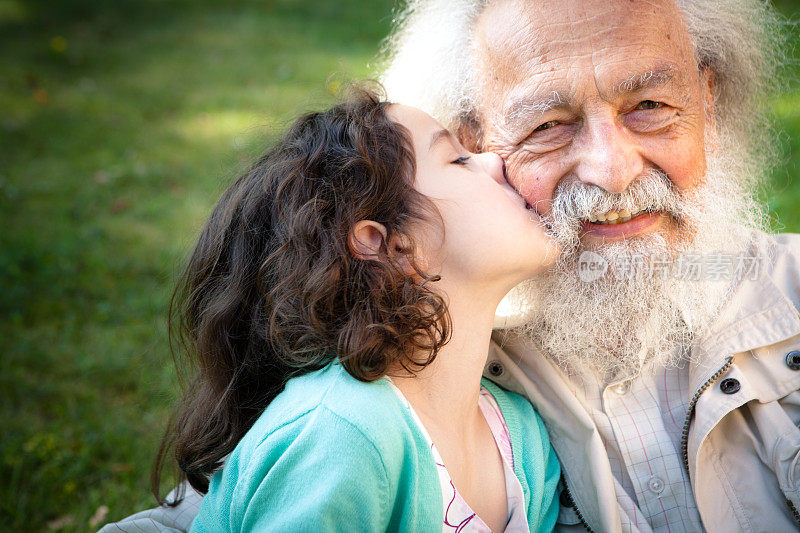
<point x="458" y="516"/>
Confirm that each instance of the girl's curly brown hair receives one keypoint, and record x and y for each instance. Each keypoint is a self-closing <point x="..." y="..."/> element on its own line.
<point x="272" y="289"/>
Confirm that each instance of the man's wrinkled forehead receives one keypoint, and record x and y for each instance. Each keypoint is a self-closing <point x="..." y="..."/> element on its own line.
<point x="549" y="41"/>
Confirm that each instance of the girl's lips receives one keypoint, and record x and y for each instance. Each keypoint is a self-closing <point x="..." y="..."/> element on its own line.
<point x="636" y="225"/>
<point x="515" y="197"/>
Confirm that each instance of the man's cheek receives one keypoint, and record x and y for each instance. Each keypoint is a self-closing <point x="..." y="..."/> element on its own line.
<point x="686" y="173"/>
<point x="682" y="159"/>
<point x="531" y="185"/>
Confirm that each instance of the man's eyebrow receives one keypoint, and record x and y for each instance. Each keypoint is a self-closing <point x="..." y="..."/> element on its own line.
<point x="536" y="106"/>
<point x="440" y="135"/>
<point x="520" y="113"/>
<point x="646" y="80"/>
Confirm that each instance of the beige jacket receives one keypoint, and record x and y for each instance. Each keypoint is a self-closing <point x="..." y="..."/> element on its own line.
<point x="742" y="447"/>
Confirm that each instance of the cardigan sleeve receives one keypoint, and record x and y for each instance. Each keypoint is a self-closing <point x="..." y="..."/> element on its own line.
<point x="319" y="475"/>
<point x="552" y="474"/>
<point x="544" y="470"/>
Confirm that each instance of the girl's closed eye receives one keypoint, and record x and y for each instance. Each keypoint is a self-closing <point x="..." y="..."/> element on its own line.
<point x="461" y="160"/>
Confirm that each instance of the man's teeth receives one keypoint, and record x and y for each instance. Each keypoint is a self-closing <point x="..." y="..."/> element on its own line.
<point x="615" y="217"/>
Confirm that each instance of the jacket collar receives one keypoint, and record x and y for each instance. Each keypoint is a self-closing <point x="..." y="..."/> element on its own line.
<point x="757" y="314"/>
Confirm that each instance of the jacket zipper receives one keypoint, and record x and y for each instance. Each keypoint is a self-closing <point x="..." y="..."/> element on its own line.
<point x="690" y="411"/>
<point x="575" y="507"/>
<point x="794" y="510"/>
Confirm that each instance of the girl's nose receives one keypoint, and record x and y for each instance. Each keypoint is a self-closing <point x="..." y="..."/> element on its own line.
<point x="494" y="165"/>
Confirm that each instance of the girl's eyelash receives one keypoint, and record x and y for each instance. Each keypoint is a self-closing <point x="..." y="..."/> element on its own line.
<point x="461" y="160"/>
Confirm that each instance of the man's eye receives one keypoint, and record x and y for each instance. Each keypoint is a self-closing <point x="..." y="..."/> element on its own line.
<point x="461" y="160"/>
<point x="546" y="126"/>
<point x="649" y="104"/>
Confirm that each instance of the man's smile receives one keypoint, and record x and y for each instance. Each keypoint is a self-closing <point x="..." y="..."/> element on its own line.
<point x="615" y="217"/>
<point x="622" y="226"/>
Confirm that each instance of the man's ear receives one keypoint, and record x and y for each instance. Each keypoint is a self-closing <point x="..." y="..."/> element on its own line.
<point x="709" y="88"/>
<point x="366" y="239"/>
<point x="469" y="133"/>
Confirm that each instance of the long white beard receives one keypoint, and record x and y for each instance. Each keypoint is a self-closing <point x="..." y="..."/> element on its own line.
<point x="617" y="327"/>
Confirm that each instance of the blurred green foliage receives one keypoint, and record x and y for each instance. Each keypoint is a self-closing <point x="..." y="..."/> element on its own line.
<point x="120" y="124"/>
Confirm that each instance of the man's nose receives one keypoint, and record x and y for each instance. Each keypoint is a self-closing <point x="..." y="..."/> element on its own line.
<point x="493" y="165"/>
<point x="608" y="156"/>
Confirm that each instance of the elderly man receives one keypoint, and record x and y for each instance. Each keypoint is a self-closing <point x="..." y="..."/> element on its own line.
<point x="664" y="350"/>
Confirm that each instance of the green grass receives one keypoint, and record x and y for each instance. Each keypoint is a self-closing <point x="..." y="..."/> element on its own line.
<point x="120" y="123"/>
<point x="140" y="121"/>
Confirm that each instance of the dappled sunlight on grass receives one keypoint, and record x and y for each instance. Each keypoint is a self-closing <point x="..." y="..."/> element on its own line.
<point x="221" y="125"/>
<point x="788" y="106"/>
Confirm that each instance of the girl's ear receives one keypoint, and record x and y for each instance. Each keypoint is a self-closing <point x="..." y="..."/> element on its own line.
<point x="366" y="239"/>
<point x="400" y="250"/>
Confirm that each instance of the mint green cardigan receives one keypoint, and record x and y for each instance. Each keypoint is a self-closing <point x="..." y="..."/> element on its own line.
<point x="331" y="454"/>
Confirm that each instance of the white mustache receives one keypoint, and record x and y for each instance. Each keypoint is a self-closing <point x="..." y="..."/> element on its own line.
<point x="575" y="201"/>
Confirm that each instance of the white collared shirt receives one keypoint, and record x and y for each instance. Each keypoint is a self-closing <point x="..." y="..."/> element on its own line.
<point x="640" y="423"/>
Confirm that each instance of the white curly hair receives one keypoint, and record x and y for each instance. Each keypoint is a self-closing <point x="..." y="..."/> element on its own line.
<point x="428" y="62"/>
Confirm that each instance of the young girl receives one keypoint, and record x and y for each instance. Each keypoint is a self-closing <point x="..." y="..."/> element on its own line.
<point x="338" y="306"/>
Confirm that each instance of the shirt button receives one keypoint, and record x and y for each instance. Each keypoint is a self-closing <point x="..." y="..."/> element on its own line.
<point x="496" y="368"/>
<point x="622" y="388"/>
<point x="729" y="386"/>
<point x="793" y="360"/>
<point x="656" y="485"/>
